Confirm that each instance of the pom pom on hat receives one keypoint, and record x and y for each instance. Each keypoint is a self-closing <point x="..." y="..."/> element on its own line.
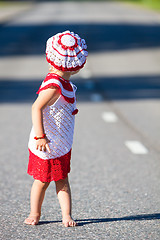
<point x="66" y="51"/>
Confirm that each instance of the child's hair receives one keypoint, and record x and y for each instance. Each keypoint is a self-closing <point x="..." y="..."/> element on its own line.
<point x="66" y="51"/>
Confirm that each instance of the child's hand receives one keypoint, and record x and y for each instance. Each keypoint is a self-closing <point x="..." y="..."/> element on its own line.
<point x="42" y="145"/>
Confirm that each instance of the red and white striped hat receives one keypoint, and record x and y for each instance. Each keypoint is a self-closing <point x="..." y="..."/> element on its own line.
<point x="66" y="51"/>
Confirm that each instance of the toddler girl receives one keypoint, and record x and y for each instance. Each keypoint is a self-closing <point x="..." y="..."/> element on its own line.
<point x="53" y="115"/>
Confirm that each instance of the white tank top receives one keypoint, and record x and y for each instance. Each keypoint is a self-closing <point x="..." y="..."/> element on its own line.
<point x="58" y="122"/>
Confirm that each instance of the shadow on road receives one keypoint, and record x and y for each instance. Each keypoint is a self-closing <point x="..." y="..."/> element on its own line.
<point x="31" y="39"/>
<point x="48" y="222"/>
<point x="120" y="88"/>
<point x="143" y="217"/>
<point x="81" y="222"/>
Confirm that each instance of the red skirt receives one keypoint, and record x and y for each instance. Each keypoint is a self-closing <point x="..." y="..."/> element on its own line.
<point x="49" y="170"/>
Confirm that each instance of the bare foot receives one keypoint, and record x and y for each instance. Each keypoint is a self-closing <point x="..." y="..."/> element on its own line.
<point x="33" y="219"/>
<point x="68" y="222"/>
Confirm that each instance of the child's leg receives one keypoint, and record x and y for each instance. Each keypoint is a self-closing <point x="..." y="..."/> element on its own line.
<point x="64" y="196"/>
<point x="37" y="197"/>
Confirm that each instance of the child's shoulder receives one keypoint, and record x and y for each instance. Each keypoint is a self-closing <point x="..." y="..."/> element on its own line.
<point x="64" y="86"/>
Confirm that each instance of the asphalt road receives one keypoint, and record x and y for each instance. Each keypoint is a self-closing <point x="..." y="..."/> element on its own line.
<point x="115" y="175"/>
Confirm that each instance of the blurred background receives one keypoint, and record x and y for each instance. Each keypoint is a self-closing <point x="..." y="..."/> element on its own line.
<point x="112" y="34"/>
<point x="118" y="98"/>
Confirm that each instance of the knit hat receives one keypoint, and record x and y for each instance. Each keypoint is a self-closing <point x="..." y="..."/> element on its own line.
<point x="66" y="51"/>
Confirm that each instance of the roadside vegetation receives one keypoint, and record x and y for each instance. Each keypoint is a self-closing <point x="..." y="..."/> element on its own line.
<point x="151" y="4"/>
<point x="13" y="3"/>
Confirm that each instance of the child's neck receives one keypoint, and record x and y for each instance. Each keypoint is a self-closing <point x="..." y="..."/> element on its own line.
<point x="65" y="75"/>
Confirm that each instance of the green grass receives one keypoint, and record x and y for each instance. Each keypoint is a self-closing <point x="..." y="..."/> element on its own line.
<point x="12" y="3"/>
<point x="151" y="4"/>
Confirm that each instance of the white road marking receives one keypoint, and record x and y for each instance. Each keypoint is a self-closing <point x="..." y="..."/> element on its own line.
<point x="109" y="117"/>
<point x="136" y="147"/>
<point x="96" y="97"/>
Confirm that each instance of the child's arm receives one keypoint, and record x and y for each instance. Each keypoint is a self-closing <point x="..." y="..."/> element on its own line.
<point x="44" y="98"/>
